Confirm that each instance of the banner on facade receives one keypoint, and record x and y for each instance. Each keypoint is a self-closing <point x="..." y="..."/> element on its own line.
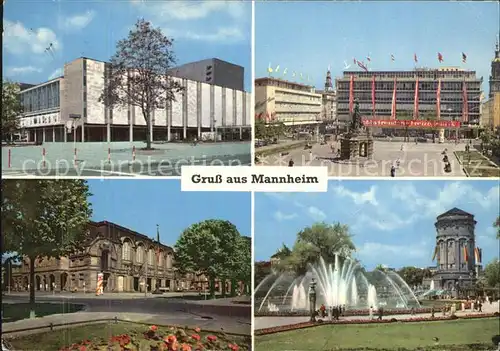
<point x="389" y="123"/>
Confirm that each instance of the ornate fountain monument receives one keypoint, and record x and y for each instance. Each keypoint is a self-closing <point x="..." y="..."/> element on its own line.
<point x="358" y="142"/>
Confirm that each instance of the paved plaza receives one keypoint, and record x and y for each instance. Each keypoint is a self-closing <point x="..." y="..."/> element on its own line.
<point x="416" y="160"/>
<point x="93" y="160"/>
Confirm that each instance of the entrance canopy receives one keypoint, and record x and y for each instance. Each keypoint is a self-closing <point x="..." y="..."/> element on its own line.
<point x="395" y="123"/>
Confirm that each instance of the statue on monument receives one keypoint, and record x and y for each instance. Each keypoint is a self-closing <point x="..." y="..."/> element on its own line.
<point x="356" y="123"/>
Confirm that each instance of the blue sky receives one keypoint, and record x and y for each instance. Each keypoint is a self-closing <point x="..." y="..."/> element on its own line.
<point x="392" y="222"/>
<point x="141" y="204"/>
<point x="201" y="29"/>
<point x="309" y="36"/>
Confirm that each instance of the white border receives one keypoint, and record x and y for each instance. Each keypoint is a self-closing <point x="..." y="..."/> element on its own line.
<point x="252" y="96"/>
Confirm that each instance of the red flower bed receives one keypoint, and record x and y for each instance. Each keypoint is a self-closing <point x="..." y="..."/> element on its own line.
<point x="289" y="327"/>
<point x="153" y="339"/>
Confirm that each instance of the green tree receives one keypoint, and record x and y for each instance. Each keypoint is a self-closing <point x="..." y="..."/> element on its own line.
<point x="319" y="240"/>
<point x="283" y="252"/>
<point x="413" y="276"/>
<point x="139" y="73"/>
<point x="210" y="248"/>
<point x="243" y="273"/>
<point x="496" y="224"/>
<point x="260" y="128"/>
<point x="11" y="109"/>
<point x="492" y="273"/>
<point x="44" y="218"/>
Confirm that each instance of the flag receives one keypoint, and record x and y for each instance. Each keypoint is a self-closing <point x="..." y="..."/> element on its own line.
<point x="362" y="66"/>
<point x="351" y="94"/>
<point x="368" y="58"/>
<point x="293" y="74"/>
<point x="301" y="76"/>
<point x="464" y="57"/>
<point x="476" y="255"/>
<point x="466" y="254"/>
<point x="373" y="94"/>
<point x="269" y="68"/>
<point x="277" y="68"/>
<point x="465" y="102"/>
<point x="438" y="101"/>
<point x="436" y="250"/>
<point x="415" y="58"/>
<point x="440" y="57"/>
<point x="158" y="244"/>
<point x="393" y="107"/>
<point x="392" y="57"/>
<point x="415" y="101"/>
<point x="355" y="61"/>
<point x="284" y="71"/>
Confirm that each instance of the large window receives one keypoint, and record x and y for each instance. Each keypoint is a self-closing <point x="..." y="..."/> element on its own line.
<point x="126" y="251"/>
<point x="139" y="254"/>
<point x="41" y="98"/>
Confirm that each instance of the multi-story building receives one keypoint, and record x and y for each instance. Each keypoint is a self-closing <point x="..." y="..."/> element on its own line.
<point x="452" y="84"/>
<point x="328" y="100"/>
<point x="212" y="71"/>
<point x="52" y="109"/>
<point x="130" y="262"/>
<point x="293" y="104"/>
<point x="485" y="120"/>
<point x="494" y="95"/>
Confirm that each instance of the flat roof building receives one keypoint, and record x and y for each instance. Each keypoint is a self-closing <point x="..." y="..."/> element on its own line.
<point x="452" y="84"/>
<point x="212" y="71"/>
<point x="201" y="107"/>
<point x="293" y="104"/>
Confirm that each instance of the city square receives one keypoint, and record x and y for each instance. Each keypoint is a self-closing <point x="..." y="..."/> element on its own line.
<point x="105" y="269"/>
<point x="364" y="281"/>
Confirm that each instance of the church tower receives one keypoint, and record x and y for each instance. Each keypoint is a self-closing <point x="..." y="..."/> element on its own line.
<point x="328" y="81"/>
<point x="495" y="71"/>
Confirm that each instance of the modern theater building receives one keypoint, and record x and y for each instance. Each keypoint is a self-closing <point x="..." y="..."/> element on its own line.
<point x="459" y="92"/>
<point x="52" y="109"/>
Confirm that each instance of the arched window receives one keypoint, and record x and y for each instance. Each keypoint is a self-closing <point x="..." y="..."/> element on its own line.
<point x="139" y="254"/>
<point x="150" y="256"/>
<point x="126" y="251"/>
<point x="169" y="261"/>
<point x="160" y="259"/>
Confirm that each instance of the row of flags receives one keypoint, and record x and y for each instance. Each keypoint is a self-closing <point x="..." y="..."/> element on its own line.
<point x="478" y="254"/>
<point x="465" y="103"/>
<point x="294" y="74"/>
<point x="440" y="58"/>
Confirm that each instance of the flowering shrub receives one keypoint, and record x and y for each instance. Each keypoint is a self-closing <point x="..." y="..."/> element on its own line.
<point x="289" y="327"/>
<point x="174" y="339"/>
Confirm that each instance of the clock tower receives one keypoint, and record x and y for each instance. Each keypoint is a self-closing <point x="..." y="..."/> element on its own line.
<point x="495" y="71"/>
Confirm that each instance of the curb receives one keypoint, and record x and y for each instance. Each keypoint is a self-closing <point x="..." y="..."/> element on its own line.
<point x="282" y="148"/>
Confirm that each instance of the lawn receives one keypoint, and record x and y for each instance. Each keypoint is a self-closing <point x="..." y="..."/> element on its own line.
<point x="394" y="336"/>
<point x="16" y="311"/>
<point x="483" y="171"/>
<point x="55" y="340"/>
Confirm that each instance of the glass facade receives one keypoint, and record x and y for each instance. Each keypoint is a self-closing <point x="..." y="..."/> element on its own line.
<point x="41" y="98"/>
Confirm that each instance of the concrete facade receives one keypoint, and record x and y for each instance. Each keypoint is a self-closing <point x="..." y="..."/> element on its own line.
<point x="452" y="80"/>
<point x="200" y="108"/>
<point x="128" y="260"/>
<point x="212" y="71"/>
<point x="291" y="103"/>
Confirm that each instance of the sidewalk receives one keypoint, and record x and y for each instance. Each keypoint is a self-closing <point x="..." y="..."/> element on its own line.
<point x="182" y="319"/>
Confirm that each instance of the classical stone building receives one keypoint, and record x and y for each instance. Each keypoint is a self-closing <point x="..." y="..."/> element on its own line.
<point x="127" y="258"/>
<point x="456" y="253"/>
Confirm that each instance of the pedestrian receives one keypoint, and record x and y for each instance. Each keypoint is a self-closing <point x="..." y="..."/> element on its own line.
<point x="380" y="313"/>
<point x="432" y="312"/>
<point x="290" y="163"/>
<point x="393" y="171"/>
<point x="371" y="312"/>
<point x="402" y="147"/>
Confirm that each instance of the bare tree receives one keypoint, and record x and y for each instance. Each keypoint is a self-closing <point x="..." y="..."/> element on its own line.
<point x="138" y="73"/>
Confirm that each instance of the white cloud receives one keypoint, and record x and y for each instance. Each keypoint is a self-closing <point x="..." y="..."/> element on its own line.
<point x="21" y="40"/>
<point x="192" y="10"/>
<point x="315" y="213"/>
<point x="280" y="216"/>
<point x="76" y="22"/>
<point x="57" y="73"/>
<point x="226" y="34"/>
<point x="22" y="70"/>
<point x="358" y="198"/>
